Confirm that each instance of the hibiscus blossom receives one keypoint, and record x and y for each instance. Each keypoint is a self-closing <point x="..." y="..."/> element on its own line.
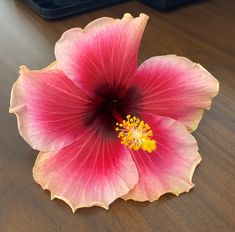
<point x="105" y="128"/>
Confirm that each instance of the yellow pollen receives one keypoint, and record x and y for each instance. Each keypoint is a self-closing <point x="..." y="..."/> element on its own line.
<point x="136" y="134"/>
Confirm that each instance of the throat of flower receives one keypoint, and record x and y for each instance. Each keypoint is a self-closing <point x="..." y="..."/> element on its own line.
<point x="136" y="134"/>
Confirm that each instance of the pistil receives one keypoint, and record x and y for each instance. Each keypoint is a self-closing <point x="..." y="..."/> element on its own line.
<point x="134" y="133"/>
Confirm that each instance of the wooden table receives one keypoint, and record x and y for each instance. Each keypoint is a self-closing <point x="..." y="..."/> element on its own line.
<point x="203" y="32"/>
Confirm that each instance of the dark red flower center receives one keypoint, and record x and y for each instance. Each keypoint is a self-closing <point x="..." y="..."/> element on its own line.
<point x="105" y="98"/>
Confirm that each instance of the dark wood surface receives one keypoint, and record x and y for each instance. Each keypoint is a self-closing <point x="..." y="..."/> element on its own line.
<point x="204" y="32"/>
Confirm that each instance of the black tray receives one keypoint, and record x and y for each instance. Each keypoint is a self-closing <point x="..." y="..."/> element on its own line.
<point x="165" y="4"/>
<point x="54" y="9"/>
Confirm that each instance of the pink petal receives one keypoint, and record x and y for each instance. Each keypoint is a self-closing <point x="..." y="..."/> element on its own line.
<point x="103" y="54"/>
<point x="49" y="108"/>
<point x="175" y="87"/>
<point x="91" y="171"/>
<point x="169" y="169"/>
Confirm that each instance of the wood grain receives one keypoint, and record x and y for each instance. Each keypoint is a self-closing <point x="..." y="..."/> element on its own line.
<point x="204" y="32"/>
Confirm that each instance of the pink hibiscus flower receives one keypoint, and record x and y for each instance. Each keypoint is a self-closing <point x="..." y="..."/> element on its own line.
<point x="105" y="128"/>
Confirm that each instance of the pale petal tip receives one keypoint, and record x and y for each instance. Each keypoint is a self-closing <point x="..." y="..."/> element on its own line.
<point x="191" y="184"/>
<point x="216" y="82"/>
<point x="194" y="166"/>
<point x="141" y="15"/>
<point x="23" y="68"/>
<point x="74" y="208"/>
<point x="127" y="16"/>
